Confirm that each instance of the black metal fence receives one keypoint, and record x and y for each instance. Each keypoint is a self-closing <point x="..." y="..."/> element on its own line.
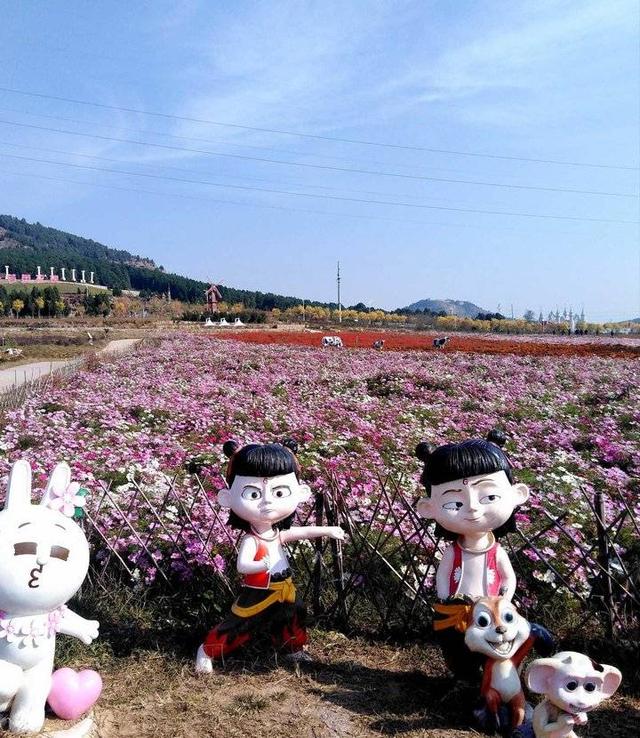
<point x="172" y="542"/>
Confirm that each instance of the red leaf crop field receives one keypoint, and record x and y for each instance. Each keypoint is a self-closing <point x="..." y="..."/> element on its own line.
<point x="539" y="345"/>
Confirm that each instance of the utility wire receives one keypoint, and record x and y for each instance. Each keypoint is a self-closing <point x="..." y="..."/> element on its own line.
<point x="324" y="197"/>
<point x="253" y="204"/>
<point x="212" y="142"/>
<point x="305" y="185"/>
<point x="361" y="142"/>
<point x="307" y="165"/>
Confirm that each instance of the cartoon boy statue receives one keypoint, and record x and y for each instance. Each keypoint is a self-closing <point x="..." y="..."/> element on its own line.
<point x="472" y="496"/>
<point x="263" y="492"/>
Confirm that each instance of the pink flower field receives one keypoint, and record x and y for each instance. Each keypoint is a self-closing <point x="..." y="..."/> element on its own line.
<point x="167" y="408"/>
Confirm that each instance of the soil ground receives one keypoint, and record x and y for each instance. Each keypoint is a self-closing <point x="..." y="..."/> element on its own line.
<point x="402" y="341"/>
<point x="351" y="688"/>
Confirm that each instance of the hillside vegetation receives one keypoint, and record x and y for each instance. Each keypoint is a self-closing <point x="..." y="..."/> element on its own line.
<point x="25" y="246"/>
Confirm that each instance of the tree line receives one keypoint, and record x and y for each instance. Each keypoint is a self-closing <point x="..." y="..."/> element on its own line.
<point x="36" y="302"/>
<point x="116" y="268"/>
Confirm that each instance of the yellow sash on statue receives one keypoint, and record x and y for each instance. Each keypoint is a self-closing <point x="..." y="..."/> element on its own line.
<point x="284" y="591"/>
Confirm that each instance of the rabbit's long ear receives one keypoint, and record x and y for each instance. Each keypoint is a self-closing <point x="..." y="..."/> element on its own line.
<point x="59" y="480"/>
<point x="19" y="487"/>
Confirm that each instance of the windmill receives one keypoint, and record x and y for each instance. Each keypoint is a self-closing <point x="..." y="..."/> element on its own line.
<point x="212" y="297"/>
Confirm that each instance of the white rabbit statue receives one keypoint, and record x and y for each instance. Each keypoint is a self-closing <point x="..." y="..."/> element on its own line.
<point x="44" y="557"/>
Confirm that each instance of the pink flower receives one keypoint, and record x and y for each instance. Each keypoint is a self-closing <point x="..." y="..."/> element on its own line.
<point x="66" y="500"/>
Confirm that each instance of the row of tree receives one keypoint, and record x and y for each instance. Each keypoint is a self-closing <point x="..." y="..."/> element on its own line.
<point x="317" y="313"/>
<point x="506" y="325"/>
<point x="47" y="302"/>
<point x="36" y="302"/>
<point x="25" y="246"/>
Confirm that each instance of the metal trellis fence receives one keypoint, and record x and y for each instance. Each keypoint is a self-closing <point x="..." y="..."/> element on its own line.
<point x="174" y="540"/>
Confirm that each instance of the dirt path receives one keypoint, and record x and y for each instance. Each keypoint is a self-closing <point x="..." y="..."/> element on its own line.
<point x="18" y="375"/>
<point x="119" y="346"/>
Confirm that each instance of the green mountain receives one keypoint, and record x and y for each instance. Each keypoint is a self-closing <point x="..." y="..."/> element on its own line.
<point x="25" y="246"/>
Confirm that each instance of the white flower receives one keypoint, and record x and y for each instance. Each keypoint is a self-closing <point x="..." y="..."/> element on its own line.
<point x="66" y="500"/>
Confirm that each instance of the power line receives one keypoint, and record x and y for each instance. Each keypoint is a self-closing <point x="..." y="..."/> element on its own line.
<point x="361" y="142"/>
<point x="215" y="142"/>
<point x="324" y="197"/>
<point x="258" y="205"/>
<point x="198" y="139"/>
<point x="307" y="165"/>
<point x="305" y="185"/>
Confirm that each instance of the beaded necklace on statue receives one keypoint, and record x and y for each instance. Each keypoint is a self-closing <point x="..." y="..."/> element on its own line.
<point x="31" y="630"/>
<point x="276" y="534"/>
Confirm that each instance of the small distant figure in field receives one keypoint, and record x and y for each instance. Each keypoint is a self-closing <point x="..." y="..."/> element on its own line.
<point x="379" y="344"/>
<point x="90" y="337"/>
<point x="440" y="343"/>
<point x="332" y="341"/>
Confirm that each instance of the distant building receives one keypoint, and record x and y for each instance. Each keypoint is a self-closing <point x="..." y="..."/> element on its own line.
<point x="52" y="278"/>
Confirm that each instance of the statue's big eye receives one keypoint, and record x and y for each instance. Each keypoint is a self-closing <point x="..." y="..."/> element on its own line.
<point x="251" y="493"/>
<point x="282" y="492"/>
<point x="452" y="505"/>
<point x="590" y="687"/>
<point x="483" y="620"/>
<point x="572" y="686"/>
<point x="508" y="617"/>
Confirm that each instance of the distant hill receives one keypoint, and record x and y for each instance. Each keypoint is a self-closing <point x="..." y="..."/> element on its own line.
<point x="25" y="246"/>
<point x="461" y="308"/>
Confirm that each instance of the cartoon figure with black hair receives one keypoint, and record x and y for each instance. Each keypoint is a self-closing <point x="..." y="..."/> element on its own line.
<point x="473" y="497"/>
<point x="263" y="492"/>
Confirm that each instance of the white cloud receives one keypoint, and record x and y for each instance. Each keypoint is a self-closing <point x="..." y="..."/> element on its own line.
<point x="524" y="51"/>
<point x="294" y="65"/>
<point x="326" y="67"/>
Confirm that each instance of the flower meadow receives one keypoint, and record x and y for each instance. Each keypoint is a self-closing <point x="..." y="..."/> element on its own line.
<point x="165" y="410"/>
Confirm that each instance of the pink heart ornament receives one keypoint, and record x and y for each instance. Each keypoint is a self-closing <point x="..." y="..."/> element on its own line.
<point x="73" y="693"/>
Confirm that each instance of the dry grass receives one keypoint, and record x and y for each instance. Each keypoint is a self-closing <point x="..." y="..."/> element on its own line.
<point x="60" y="342"/>
<point x="50" y="352"/>
<point x="352" y="688"/>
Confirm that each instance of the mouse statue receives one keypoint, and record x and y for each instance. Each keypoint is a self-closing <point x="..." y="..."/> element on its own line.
<point x="44" y="558"/>
<point x="572" y="685"/>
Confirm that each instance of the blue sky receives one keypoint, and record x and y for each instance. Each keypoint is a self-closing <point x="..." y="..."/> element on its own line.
<point x="546" y="80"/>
